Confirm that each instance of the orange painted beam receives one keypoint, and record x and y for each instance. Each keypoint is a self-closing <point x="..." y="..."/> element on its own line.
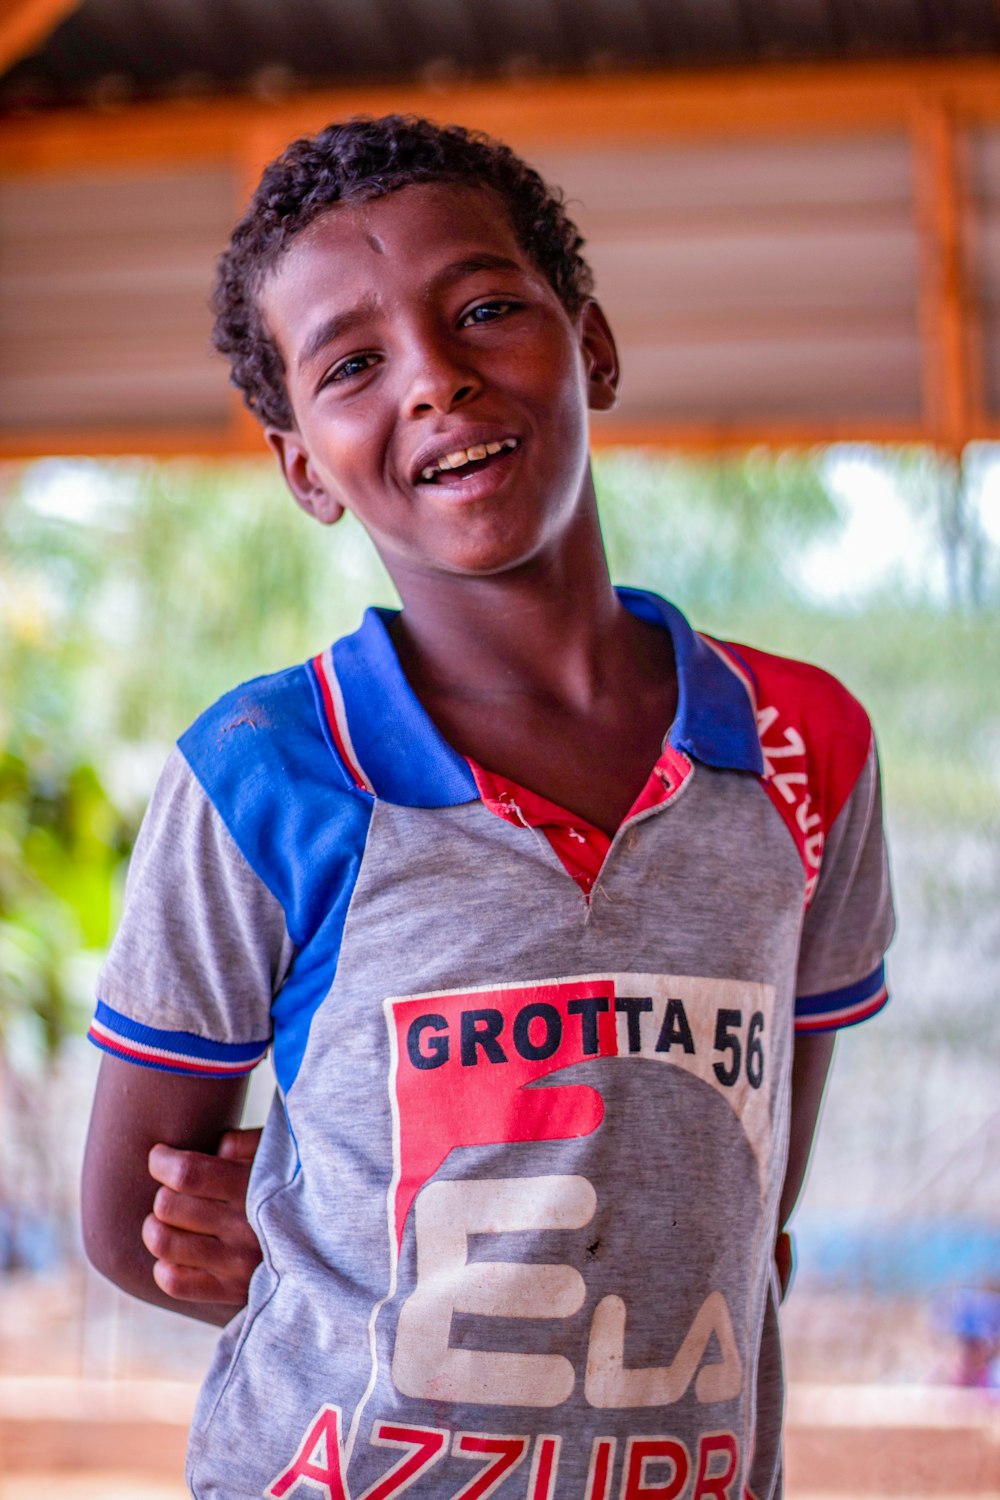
<point x="952" y="378"/>
<point x="24" y="25"/>
<point x="716" y="437"/>
<point x="616" y="110"/>
<point x="124" y="442"/>
<point x="244" y="439"/>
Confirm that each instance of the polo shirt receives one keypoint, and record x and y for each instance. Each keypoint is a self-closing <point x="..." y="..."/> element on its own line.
<point x="518" y="1193"/>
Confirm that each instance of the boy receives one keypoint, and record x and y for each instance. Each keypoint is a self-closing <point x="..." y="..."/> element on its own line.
<point x="521" y="883"/>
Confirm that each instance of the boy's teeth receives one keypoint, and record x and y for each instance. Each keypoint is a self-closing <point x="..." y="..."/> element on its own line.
<point x="463" y="456"/>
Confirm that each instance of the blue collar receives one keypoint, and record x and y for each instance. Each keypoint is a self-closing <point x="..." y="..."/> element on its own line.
<point x="407" y="761"/>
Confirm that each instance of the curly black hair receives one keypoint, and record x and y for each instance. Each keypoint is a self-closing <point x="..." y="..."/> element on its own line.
<point x="357" y="160"/>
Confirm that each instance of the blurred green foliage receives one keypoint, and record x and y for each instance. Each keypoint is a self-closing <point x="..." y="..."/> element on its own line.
<point x="729" y="542"/>
<point x="719" y="535"/>
<point x="132" y="594"/>
<point x="61" y="842"/>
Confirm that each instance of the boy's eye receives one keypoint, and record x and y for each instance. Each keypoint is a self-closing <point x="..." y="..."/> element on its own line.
<point x="355" y="364"/>
<point x="488" y="312"/>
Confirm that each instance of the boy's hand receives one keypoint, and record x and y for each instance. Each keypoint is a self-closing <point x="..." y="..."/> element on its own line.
<point x="198" y="1233"/>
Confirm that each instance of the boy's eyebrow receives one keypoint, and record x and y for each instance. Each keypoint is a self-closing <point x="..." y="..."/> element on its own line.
<point x="331" y="328"/>
<point x="483" y="261"/>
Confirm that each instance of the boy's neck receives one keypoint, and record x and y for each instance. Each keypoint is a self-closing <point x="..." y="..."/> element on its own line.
<point x="540" y="674"/>
<point x="553" y="627"/>
<point x="559" y="689"/>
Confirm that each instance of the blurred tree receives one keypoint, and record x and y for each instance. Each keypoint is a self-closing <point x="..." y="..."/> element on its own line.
<point x="720" y="533"/>
<point x="946" y="491"/>
<point x="61" y="842"/>
<point x="133" y="594"/>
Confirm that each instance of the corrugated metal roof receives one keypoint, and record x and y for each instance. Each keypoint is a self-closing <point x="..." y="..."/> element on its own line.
<point x="110" y="51"/>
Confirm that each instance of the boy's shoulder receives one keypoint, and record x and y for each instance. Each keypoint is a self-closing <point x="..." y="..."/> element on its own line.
<point x="816" y="743"/>
<point x="264" y="761"/>
<point x="254" y="728"/>
<point x="255" y="705"/>
<point x="259" y="738"/>
<point x="775" y="687"/>
<point x="269" y="728"/>
<point x="794" y="698"/>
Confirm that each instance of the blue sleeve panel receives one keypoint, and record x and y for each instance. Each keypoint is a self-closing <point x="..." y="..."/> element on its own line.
<point x="293" y="811"/>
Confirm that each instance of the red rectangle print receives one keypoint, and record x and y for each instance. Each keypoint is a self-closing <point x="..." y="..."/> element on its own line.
<point x="465" y="1063"/>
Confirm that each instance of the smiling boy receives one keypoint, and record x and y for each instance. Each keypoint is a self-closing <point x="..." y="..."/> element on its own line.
<point x="548" y="905"/>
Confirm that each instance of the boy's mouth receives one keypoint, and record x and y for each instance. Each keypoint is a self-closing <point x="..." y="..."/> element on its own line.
<point x="469" y="460"/>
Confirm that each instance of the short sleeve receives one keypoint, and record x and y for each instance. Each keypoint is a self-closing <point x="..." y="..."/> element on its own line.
<point x="848" y="926"/>
<point x="202" y="947"/>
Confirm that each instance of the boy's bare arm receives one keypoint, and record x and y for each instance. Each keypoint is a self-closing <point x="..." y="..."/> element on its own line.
<point x="810" y="1069"/>
<point x="134" y="1110"/>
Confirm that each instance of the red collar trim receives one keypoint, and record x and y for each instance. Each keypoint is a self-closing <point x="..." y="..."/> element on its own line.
<point x="580" y="846"/>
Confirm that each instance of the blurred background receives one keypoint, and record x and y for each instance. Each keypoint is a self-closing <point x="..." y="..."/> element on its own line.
<point x="793" y="211"/>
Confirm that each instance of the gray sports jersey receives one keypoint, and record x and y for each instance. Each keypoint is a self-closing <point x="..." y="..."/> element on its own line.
<point x="518" y="1196"/>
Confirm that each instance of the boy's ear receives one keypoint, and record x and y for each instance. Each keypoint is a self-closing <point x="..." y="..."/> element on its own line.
<point x="601" y="355"/>
<point x="300" y="476"/>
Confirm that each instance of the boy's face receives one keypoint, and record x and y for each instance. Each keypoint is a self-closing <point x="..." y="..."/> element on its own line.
<point x="440" y="388"/>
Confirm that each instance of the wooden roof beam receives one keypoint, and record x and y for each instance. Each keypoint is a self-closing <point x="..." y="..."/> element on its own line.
<point x="949" y="314"/>
<point x="630" y="109"/>
<point x="24" y="25"/>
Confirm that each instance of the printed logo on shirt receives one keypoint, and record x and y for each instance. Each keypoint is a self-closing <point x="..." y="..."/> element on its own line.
<point x="467" y="1063"/>
<point x="786" y="781"/>
<point x="643" y="1465"/>
<point x="478" y="1068"/>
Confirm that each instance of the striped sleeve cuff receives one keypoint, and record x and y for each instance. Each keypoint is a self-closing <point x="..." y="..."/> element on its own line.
<point x="172" y="1051"/>
<point x="834" y="1009"/>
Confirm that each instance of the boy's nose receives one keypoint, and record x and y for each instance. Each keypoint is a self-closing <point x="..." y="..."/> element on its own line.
<point x="441" y="380"/>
